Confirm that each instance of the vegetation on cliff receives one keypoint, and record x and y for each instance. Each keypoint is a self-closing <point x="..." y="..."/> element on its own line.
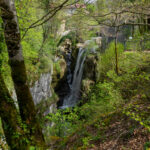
<point x="44" y="36"/>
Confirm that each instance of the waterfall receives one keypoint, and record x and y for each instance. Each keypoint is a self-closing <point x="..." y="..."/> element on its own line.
<point x="71" y="99"/>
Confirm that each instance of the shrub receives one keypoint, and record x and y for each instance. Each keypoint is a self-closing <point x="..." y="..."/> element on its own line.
<point x="102" y="99"/>
<point x="107" y="60"/>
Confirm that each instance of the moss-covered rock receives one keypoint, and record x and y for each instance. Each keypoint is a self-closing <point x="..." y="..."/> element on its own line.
<point x="90" y="67"/>
<point x="59" y="71"/>
<point x="74" y="56"/>
<point x="86" y="87"/>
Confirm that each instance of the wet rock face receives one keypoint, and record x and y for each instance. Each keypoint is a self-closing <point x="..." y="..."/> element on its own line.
<point x="59" y="80"/>
<point x="90" y="75"/>
<point x="86" y="88"/>
<point x="42" y="91"/>
<point x="90" y="70"/>
<point x="42" y="88"/>
<point x="74" y="56"/>
<point x="58" y="73"/>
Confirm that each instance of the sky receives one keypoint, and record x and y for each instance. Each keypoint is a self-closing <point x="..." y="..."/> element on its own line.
<point x="90" y="1"/>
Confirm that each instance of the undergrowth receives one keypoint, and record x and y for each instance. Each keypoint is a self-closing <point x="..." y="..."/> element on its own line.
<point x="126" y="95"/>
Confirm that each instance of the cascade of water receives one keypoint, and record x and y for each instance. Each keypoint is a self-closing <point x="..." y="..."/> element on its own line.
<point x="71" y="99"/>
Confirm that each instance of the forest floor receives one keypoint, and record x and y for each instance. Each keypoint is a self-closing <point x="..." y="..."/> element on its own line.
<point x="124" y="133"/>
<point x="117" y="131"/>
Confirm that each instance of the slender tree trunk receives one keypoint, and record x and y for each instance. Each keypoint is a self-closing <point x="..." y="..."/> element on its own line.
<point x="18" y="70"/>
<point x="116" y="52"/>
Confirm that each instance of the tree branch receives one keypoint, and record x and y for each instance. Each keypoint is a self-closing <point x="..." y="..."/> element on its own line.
<point x="35" y="24"/>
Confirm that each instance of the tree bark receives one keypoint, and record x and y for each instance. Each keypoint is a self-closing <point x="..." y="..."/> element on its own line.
<point x="116" y="52"/>
<point x="18" y="70"/>
<point x="10" y="120"/>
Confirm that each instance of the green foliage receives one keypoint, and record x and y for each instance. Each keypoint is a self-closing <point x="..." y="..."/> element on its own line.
<point x="64" y="122"/>
<point x="71" y="36"/>
<point x="107" y="96"/>
<point x="45" y="64"/>
<point x="139" y="111"/>
<point x="139" y="42"/>
<point x="107" y="60"/>
<point x="50" y="46"/>
<point x="91" y="8"/>
<point x="32" y="148"/>
<point x="147" y="146"/>
<point x="146" y="45"/>
<point x="57" y="67"/>
<point x="102" y="99"/>
<point x="91" y="45"/>
<point x="4" y="67"/>
<point x="36" y="63"/>
<point x="133" y="45"/>
<point x="1" y="130"/>
<point x="132" y="76"/>
<point x="85" y="142"/>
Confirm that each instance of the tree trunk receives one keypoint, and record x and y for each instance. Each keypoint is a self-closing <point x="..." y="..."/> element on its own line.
<point x="10" y="120"/>
<point x="18" y="70"/>
<point x="116" y="52"/>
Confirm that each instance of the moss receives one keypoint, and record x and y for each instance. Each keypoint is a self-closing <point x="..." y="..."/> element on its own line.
<point x="71" y="36"/>
<point x="59" y="72"/>
<point x="10" y="119"/>
<point x="25" y="101"/>
<point x="90" y="64"/>
<point x="45" y="65"/>
<point x="45" y="104"/>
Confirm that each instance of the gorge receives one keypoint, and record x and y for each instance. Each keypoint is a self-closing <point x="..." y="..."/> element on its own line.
<point x="74" y="75"/>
